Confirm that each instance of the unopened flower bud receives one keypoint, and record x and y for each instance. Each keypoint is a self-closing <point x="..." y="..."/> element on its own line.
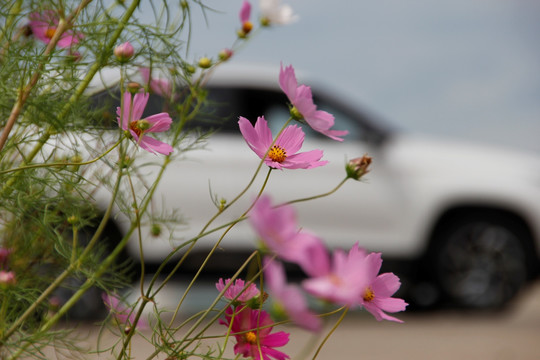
<point x="257" y="301"/>
<point x="247" y="26"/>
<point x="225" y="54"/>
<point x="126" y="162"/>
<point x="76" y="158"/>
<point x="265" y="21"/>
<point x="205" y="62"/>
<point x="72" y="219"/>
<point x="190" y="69"/>
<point x="358" y="167"/>
<point x="155" y="230"/>
<point x="133" y="87"/>
<point x="54" y="303"/>
<point x="7" y="278"/>
<point x="124" y="52"/>
<point x="222" y="203"/>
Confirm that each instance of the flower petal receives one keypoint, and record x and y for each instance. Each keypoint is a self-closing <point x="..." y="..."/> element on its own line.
<point x="155" y="146"/>
<point x="159" y="122"/>
<point x="139" y="103"/>
<point x="257" y="137"/>
<point x="385" y="285"/>
<point x="304" y="160"/>
<point x="288" y="83"/>
<point x="291" y="139"/>
<point x="390" y="304"/>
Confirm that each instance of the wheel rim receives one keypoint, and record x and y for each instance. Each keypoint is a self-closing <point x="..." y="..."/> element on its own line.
<point x="482" y="265"/>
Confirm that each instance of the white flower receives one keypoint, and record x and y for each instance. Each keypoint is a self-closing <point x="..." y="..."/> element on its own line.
<point x="273" y="12"/>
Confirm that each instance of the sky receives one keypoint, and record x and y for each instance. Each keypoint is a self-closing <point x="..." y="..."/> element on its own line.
<point x="468" y="69"/>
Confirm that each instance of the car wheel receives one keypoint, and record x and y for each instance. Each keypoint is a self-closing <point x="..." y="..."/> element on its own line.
<point x="480" y="260"/>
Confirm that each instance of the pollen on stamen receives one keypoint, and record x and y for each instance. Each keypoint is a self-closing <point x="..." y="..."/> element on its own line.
<point x="369" y="295"/>
<point x="49" y="33"/>
<point x="251" y="337"/>
<point x="277" y="154"/>
<point x="135" y="127"/>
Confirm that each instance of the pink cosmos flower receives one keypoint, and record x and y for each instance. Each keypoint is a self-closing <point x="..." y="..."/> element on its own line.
<point x="253" y="332"/>
<point x="121" y="313"/>
<point x="129" y="118"/>
<point x="303" y="107"/>
<point x="352" y="280"/>
<point x="377" y="293"/>
<point x="43" y="26"/>
<point x="284" y="152"/>
<point x="343" y="281"/>
<point x="289" y="298"/>
<point x="159" y="86"/>
<point x="238" y="291"/>
<point x="278" y="230"/>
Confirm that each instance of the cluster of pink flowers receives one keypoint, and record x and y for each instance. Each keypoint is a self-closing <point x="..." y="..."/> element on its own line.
<point x="345" y="278"/>
<point x="283" y="152"/>
<point x="350" y="279"/>
<point x="251" y="326"/>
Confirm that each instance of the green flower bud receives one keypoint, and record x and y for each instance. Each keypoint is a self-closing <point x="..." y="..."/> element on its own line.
<point x="155" y="230"/>
<point x="205" y="63"/>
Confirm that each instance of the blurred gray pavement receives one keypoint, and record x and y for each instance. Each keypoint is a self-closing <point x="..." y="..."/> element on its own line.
<point x="440" y="334"/>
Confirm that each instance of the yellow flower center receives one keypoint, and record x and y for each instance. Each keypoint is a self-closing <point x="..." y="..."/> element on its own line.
<point x="49" y="33"/>
<point x="277" y="154"/>
<point x="369" y="295"/>
<point x="139" y="126"/>
<point x="251" y="337"/>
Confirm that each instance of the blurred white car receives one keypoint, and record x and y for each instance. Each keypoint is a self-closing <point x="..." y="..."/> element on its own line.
<point x="464" y="217"/>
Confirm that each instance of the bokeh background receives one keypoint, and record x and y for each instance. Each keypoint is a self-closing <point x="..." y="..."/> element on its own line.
<point x="467" y="69"/>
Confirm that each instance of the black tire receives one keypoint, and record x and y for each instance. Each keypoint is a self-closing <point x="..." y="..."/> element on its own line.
<point x="480" y="260"/>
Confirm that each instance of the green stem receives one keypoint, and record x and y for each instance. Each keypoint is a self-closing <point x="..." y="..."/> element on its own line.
<point x="251" y="181"/>
<point x="207" y="311"/>
<point x="13" y="12"/>
<point x="61" y="164"/>
<point x="330" y="333"/>
<point x="216" y="245"/>
<point x="69" y="270"/>
<point x="74" y="245"/>
<point x="320" y="195"/>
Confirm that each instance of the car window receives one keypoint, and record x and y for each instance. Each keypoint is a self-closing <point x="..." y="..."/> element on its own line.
<point x="224" y="105"/>
<point x="252" y="103"/>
